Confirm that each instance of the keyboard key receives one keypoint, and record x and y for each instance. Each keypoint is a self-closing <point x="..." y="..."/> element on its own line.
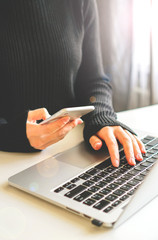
<point x="93" y="189"/>
<point x="101" y="184"/>
<point x="139" y="177"/>
<point x="126" y="187"/>
<point x="156" y="148"/>
<point x="152" y="160"/>
<point x="120" y="181"/>
<point x="75" y="191"/>
<point x="147" y="147"/>
<point x="108" y="179"/>
<point x="131" y="192"/>
<point x="110" y="169"/>
<point x="84" y="176"/>
<point x="127" y="176"/>
<point x="119" y="192"/>
<point x="148" y="169"/>
<point x="140" y="168"/>
<point x="155" y="156"/>
<point x="145" y="158"/>
<point x="58" y="189"/>
<point x="97" y="196"/>
<point x="102" y="174"/>
<point x="88" y="183"/>
<point x="95" y="179"/>
<point x="89" y="201"/>
<point x="71" y="186"/>
<point x="133" y="182"/>
<point x="108" y="209"/>
<point x="127" y="166"/>
<point x="144" y="173"/>
<point x="149" y="137"/>
<point x="122" y="170"/>
<point x="146" y="164"/>
<point x="82" y="196"/>
<point x="153" y="142"/>
<point x="133" y="172"/>
<point x="105" y="191"/>
<point x="66" y="184"/>
<point x="104" y="164"/>
<point x="115" y="204"/>
<point x="148" y="155"/>
<point x="152" y="151"/>
<point x="112" y="186"/>
<point x="75" y="180"/>
<point x="115" y="174"/>
<point x="93" y="171"/>
<point x="146" y="140"/>
<point x="123" y="161"/>
<point x="111" y="197"/>
<point x="100" y="205"/>
<point x="124" y="197"/>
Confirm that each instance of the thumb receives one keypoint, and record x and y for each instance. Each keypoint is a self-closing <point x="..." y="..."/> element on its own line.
<point x="95" y="142"/>
<point x="38" y="114"/>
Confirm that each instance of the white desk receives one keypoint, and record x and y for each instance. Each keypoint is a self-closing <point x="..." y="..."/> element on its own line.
<point x="24" y="217"/>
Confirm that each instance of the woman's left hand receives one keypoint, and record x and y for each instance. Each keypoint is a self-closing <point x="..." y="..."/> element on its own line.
<point x="133" y="147"/>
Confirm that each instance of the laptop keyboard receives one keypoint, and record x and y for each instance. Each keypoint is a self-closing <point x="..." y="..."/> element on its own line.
<point x="104" y="187"/>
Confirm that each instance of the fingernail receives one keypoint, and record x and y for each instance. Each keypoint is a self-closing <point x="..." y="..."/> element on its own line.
<point x="143" y="150"/>
<point x="132" y="161"/>
<point x="79" y="121"/>
<point x="139" y="157"/>
<point x="97" y="145"/>
<point x="116" y="163"/>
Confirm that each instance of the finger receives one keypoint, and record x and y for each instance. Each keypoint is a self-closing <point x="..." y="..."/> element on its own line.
<point x="108" y="136"/>
<point x="136" y="148"/>
<point x="38" y="114"/>
<point x="53" y="127"/>
<point x="69" y="126"/>
<point x="53" y="137"/>
<point x="126" y="141"/>
<point x="141" y="145"/>
<point x="95" y="142"/>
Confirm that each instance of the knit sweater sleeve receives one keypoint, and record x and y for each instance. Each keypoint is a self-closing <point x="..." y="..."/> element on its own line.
<point x="92" y="85"/>
<point x="13" y="134"/>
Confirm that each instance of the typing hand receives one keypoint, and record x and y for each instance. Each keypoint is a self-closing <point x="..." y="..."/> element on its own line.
<point x="133" y="147"/>
<point x="42" y="136"/>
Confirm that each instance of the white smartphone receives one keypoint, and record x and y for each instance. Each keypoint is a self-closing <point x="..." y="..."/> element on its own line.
<point x="73" y="112"/>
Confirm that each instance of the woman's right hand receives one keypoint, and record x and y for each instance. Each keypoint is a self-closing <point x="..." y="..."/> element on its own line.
<point x="42" y="136"/>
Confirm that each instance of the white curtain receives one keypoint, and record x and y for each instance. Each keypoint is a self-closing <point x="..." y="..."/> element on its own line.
<point x="154" y="22"/>
<point x="144" y="78"/>
<point x="129" y="38"/>
<point x="116" y="40"/>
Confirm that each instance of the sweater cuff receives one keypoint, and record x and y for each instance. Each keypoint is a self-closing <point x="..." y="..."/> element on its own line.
<point x="98" y="121"/>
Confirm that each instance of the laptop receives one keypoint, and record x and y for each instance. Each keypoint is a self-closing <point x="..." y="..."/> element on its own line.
<point x="84" y="182"/>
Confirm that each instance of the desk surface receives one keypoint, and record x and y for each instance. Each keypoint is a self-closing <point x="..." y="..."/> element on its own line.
<point x="25" y="217"/>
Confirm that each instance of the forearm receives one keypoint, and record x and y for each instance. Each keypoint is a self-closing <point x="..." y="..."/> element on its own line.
<point x="100" y="95"/>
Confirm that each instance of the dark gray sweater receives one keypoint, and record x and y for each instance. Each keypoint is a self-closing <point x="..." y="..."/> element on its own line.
<point x="50" y="57"/>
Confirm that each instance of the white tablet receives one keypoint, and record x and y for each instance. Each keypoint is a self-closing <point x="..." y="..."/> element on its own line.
<point x="73" y="112"/>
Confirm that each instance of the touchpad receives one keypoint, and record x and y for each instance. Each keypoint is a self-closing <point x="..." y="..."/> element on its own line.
<point x="81" y="156"/>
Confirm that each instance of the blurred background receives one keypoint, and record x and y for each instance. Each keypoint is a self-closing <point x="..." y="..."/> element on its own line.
<point x="129" y="39"/>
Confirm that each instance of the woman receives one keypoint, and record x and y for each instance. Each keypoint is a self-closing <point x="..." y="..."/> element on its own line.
<point x="50" y="57"/>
